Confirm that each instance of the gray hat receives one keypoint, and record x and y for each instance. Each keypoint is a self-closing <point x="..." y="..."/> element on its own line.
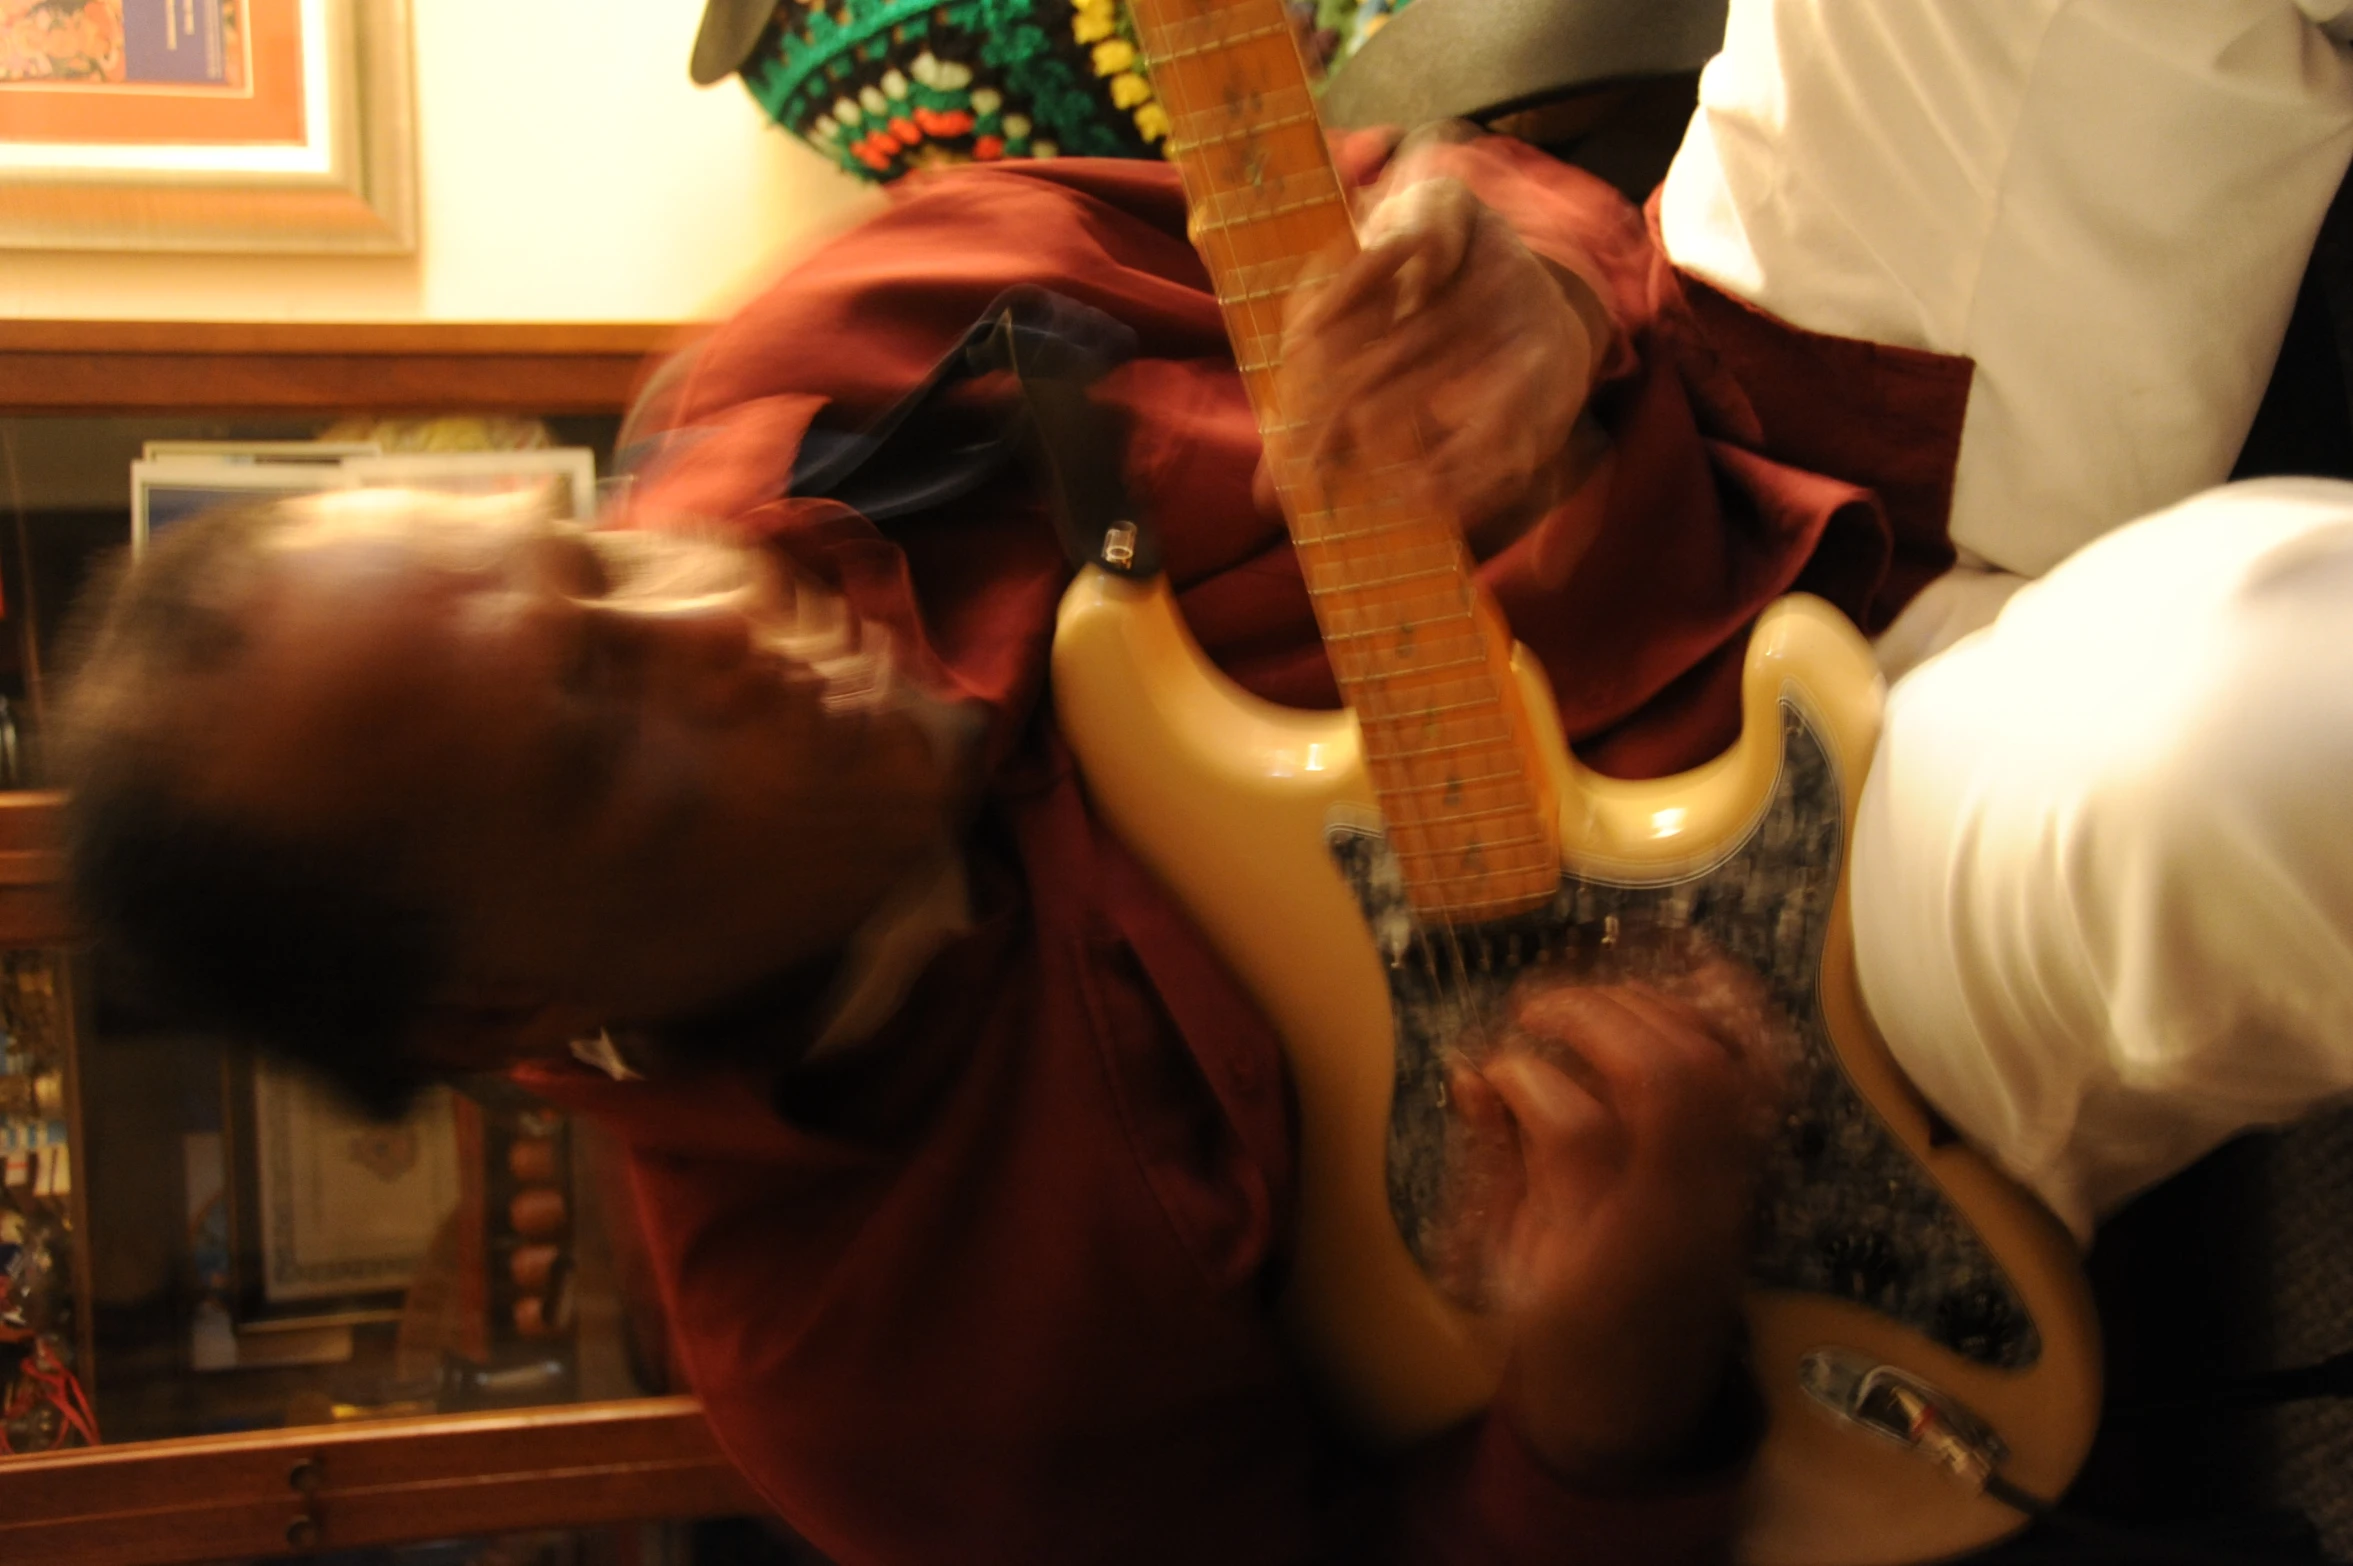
<point x="730" y="28"/>
<point x="1471" y="59"/>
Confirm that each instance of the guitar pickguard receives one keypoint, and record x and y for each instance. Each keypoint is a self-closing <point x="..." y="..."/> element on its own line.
<point x="1844" y="1212"/>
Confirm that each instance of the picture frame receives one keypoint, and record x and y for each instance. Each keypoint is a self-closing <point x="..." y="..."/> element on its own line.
<point x="329" y="1214"/>
<point x="168" y="489"/>
<point x="293" y="132"/>
<point x="179" y="479"/>
<point x="317" y="451"/>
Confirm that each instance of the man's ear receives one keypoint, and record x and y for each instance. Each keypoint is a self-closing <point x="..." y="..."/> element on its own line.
<point x="485" y="1030"/>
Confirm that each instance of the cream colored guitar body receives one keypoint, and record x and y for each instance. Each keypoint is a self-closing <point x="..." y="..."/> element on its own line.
<point x="1229" y="799"/>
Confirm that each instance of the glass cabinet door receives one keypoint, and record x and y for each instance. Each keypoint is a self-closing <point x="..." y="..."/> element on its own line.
<point x="237" y="1318"/>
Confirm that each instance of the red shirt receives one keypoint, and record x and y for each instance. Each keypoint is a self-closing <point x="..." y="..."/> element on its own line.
<point x="996" y="1285"/>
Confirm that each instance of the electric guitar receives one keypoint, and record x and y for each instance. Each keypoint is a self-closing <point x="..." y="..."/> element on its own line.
<point x="1381" y="878"/>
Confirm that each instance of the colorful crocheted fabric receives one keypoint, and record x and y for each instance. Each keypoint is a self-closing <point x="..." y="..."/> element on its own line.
<point x="888" y="86"/>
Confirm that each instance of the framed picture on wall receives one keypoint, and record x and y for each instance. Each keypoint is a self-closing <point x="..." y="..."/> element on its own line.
<point x="234" y="125"/>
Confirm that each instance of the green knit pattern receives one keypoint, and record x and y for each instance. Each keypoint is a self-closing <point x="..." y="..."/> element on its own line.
<point x="885" y="87"/>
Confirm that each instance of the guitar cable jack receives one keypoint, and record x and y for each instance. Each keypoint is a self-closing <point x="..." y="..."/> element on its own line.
<point x="1922" y="1418"/>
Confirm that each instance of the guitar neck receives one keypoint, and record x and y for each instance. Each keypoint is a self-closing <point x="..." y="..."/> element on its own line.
<point x="1419" y="653"/>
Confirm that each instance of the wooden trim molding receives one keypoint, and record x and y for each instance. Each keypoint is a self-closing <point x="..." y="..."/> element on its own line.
<point x="216" y="367"/>
<point x="32" y="870"/>
<point x="334" y="1487"/>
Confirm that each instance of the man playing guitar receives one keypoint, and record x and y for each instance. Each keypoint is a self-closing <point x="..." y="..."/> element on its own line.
<point x="968" y="1166"/>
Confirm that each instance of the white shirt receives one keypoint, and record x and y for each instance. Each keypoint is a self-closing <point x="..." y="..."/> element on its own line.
<point x="2107" y="204"/>
<point x="2103" y="877"/>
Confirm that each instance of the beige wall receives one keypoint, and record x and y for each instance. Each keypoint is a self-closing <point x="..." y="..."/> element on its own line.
<point x="569" y="172"/>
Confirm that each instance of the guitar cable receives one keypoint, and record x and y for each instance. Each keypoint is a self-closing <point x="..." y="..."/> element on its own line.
<point x="1923" y="1419"/>
<point x="2138" y="1544"/>
<point x="2331" y="1377"/>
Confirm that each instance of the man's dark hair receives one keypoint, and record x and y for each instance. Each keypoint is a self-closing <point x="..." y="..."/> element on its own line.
<point x="302" y="944"/>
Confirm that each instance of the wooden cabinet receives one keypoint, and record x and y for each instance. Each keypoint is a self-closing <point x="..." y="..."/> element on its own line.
<point x="352" y="1481"/>
<point x="130" y="367"/>
<point x="235" y="1497"/>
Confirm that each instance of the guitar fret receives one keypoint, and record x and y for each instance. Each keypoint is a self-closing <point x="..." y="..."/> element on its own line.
<point x="1389" y="632"/>
<point x="1384" y="744"/>
<point x="1422" y="628"/>
<point x="1266" y="279"/>
<point x="1431" y="884"/>
<point x="1442" y="819"/>
<point x="1369" y="630"/>
<point x="1257" y="347"/>
<point x="1402" y="758"/>
<point x="1247" y="219"/>
<point x="1177" y="37"/>
<point x="1494" y="872"/>
<point x="1516" y="895"/>
<point x="1456" y="748"/>
<point x="1476" y="780"/>
<point x="1418" y="535"/>
<point x="1279" y="291"/>
<point x="1413" y="672"/>
<point x="1223" y="124"/>
<point x="1359" y="477"/>
<point x="1393" y="523"/>
<point x="1456" y="651"/>
<point x="1371" y="583"/>
<point x="1484" y="704"/>
<point x="1357" y="535"/>
<point x="1278" y="198"/>
<point x="1213" y="43"/>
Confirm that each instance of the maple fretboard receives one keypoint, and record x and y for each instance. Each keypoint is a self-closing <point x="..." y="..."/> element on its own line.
<point x="1420" y="655"/>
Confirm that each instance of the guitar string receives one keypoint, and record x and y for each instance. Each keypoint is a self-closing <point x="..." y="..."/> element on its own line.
<point x="1247" y="293"/>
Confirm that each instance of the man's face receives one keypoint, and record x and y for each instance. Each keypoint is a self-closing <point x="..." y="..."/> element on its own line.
<point x="595" y="748"/>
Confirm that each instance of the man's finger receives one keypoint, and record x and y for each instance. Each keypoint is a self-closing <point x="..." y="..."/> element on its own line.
<point x="1483" y="1113"/>
<point x="1425" y="227"/>
<point x="1706" y="1099"/>
<point x="1566" y="1134"/>
<point x="1462" y="476"/>
<point x="1688" y="1032"/>
<point x="1385" y="389"/>
<point x="1618" y="1044"/>
<point x="1435" y="219"/>
<point x="1722" y="1008"/>
<point x="1494" y="1163"/>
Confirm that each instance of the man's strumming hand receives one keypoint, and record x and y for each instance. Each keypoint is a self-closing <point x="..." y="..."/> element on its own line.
<point x="1610" y="1157"/>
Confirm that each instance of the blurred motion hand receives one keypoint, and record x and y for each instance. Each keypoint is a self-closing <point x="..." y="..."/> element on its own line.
<point x="1614" y="1147"/>
<point x="1445" y="340"/>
